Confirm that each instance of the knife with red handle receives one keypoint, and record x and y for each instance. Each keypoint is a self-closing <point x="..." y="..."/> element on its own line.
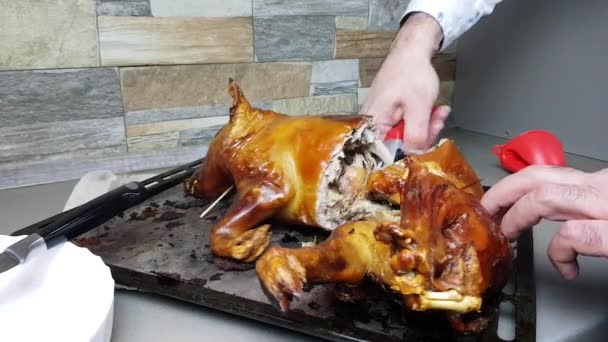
<point x="394" y="139"/>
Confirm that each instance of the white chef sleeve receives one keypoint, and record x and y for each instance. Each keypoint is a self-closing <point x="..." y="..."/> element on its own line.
<point x="454" y="16"/>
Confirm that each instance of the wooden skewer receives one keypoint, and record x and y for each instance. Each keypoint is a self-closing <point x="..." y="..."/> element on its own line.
<point x="470" y="185"/>
<point x="217" y="201"/>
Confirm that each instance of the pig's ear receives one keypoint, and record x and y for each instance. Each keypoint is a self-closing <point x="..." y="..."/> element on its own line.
<point x="240" y="105"/>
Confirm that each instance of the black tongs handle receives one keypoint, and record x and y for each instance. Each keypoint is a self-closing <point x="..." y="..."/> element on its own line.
<point x="79" y="220"/>
<point x="87" y="216"/>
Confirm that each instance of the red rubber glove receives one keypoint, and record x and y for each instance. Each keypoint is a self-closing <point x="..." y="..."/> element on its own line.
<point x="535" y="147"/>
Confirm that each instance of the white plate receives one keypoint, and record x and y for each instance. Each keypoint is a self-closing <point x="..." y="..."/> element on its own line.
<point x="63" y="294"/>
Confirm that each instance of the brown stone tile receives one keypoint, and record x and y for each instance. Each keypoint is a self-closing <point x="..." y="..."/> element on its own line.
<point x="198" y="85"/>
<point x="362" y="44"/>
<point x="175" y="40"/>
<point x="368" y="68"/>
<point x="445" y="65"/>
<point x="446" y="92"/>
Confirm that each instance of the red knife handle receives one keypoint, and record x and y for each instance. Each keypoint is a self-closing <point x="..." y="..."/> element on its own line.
<point x="398" y="131"/>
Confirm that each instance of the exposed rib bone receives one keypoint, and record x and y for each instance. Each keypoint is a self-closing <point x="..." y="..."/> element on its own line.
<point x="467" y="304"/>
<point x="451" y="295"/>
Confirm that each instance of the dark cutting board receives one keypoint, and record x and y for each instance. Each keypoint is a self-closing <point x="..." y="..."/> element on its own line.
<point x="162" y="246"/>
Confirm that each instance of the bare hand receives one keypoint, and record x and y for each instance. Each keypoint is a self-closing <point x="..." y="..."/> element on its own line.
<point x="578" y="199"/>
<point x="407" y="86"/>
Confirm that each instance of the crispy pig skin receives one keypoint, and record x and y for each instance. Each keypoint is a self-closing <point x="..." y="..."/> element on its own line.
<point x="453" y="240"/>
<point x="445" y="254"/>
<point x="445" y="160"/>
<point x="276" y="162"/>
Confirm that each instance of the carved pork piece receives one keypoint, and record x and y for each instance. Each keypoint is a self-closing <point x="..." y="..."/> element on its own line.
<point x="446" y="253"/>
<point x="308" y="170"/>
<point x="444" y="160"/>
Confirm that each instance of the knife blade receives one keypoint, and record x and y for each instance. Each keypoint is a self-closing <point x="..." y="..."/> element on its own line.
<point x="18" y="252"/>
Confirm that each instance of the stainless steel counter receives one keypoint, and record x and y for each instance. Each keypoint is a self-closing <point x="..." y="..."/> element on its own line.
<point x="567" y="311"/>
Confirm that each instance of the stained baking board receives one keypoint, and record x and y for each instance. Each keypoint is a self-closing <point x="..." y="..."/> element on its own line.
<point x="162" y="246"/>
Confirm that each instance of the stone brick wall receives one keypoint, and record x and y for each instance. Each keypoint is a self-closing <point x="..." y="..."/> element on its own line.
<point x="131" y="85"/>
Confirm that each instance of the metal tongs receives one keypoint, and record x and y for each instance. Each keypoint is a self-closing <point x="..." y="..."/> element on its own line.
<point x="79" y="220"/>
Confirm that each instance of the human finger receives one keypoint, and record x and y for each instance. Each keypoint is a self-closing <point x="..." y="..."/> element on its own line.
<point x="577" y="237"/>
<point x="511" y="188"/>
<point x="554" y="202"/>
<point x="437" y="124"/>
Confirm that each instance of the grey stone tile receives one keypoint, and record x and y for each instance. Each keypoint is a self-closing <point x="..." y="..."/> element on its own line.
<point x="362" y="95"/>
<point x="40" y="141"/>
<point x="28" y="97"/>
<point x="311" y="7"/>
<point x="198" y="136"/>
<point x="290" y="38"/>
<point x="175" y="125"/>
<point x="126" y="8"/>
<point x="168" y="114"/>
<point x="332" y="88"/>
<point x="75" y="165"/>
<point x="335" y="71"/>
<point x="202" y="8"/>
<point x="385" y="15"/>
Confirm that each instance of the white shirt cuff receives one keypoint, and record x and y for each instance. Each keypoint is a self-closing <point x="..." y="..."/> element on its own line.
<point x="454" y="16"/>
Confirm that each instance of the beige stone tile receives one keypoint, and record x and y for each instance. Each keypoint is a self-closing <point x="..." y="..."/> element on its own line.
<point x="338" y="104"/>
<point x="153" y="142"/>
<point x="198" y="85"/>
<point x="174" y="40"/>
<point x="351" y="23"/>
<point x="445" y="66"/>
<point x="362" y="44"/>
<point x="174" y="126"/>
<point x="41" y="34"/>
